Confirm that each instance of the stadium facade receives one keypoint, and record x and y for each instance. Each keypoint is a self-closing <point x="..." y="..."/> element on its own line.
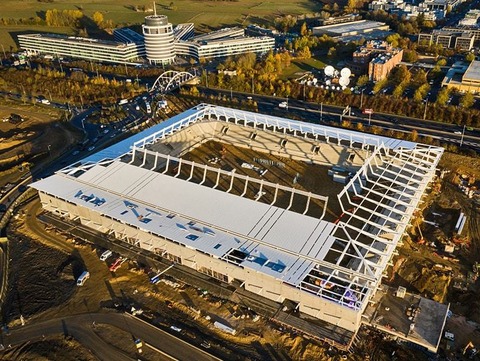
<point x="143" y="191"/>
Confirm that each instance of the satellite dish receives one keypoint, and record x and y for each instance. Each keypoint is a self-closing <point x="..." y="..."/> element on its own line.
<point x="338" y="88"/>
<point x="329" y="70"/>
<point x="344" y="81"/>
<point x="345" y="73"/>
<point x="321" y="86"/>
<point x="327" y="87"/>
<point x="328" y="82"/>
<point x="344" y="87"/>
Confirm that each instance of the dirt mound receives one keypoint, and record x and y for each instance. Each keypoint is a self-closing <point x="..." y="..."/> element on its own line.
<point x="40" y="278"/>
<point x="425" y="279"/>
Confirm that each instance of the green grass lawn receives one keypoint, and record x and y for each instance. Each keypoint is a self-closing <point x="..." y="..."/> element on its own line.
<point x="301" y="66"/>
<point x="8" y="34"/>
<point x="205" y="14"/>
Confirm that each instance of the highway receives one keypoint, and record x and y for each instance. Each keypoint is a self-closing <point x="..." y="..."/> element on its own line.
<point x="82" y="328"/>
<point x="330" y="115"/>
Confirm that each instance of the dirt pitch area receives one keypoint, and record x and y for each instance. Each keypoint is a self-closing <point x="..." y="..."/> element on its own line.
<point x="286" y="172"/>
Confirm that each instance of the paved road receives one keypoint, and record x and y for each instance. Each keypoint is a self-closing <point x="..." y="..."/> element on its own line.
<point x="82" y="329"/>
<point x="310" y="112"/>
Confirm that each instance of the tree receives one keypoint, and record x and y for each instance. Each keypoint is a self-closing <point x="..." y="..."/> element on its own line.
<point x="362" y="80"/>
<point x="351" y="5"/>
<point x="467" y="100"/>
<point x="420" y="78"/>
<point x="443" y="96"/>
<point x="304" y="30"/>
<point x="400" y="74"/>
<point x="332" y="51"/>
<point x="413" y="136"/>
<point x="410" y="56"/>
<point x="470" y="57"/>
<point x="97" y="17"/>
<point x="398" y="91"/>
<point x="421" y="92"/>
<point x="393" y="40"/>
<point x="380" y="85"/>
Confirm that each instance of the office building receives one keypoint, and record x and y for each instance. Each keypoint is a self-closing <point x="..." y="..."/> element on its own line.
<point x="82" y="48"/>
<point x="377" y="58"/>
<point x="183" y="32"/>
<point x="449" y="39"/>
<point x="382" y="64"/>
<point x="223" y="43"/>
<point x="359" y="27"/>
<point x="464" y="77"/>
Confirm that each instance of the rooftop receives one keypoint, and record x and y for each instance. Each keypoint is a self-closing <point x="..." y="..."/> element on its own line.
<point x="354" y="26"/>
<point x="473" y="71"/>
<point x="412" y="318"/>
<point x="75" y="39"/>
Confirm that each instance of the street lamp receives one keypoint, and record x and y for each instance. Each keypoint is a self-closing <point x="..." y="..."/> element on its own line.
<point x="369" y="118"/>
<point x="287" y="102"/>
<point x="24" y="96"/>
<point x="463" y="134"/>
<point x="83" y="125"/>
<point x="49" y="151"/>
<point x="60" y="63"/>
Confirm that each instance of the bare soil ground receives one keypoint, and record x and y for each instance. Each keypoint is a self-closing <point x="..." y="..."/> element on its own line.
<point x="52" y="348"/>
<point x="41" y="137"/>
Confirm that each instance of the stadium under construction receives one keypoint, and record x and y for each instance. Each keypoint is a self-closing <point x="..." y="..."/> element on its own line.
<point x="290" y="210"/>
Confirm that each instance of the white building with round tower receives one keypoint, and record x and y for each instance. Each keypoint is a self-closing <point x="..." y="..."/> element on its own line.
<point x="158" y="34"/>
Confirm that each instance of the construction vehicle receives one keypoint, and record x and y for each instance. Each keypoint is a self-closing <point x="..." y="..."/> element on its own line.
<point x="470" y="350"/>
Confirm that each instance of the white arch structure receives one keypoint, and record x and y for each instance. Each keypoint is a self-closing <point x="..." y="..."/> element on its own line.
<point x="171" y="80"/>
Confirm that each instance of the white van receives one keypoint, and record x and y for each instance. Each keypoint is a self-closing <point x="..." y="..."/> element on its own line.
<point x="105" y="255"/>
<point x="83" y="277"/>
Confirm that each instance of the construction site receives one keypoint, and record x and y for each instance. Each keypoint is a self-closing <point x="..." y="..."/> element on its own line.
<point x="407" y="287"/>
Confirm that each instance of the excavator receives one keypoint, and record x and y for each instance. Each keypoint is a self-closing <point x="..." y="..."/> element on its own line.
<point x="470" y="350"/>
